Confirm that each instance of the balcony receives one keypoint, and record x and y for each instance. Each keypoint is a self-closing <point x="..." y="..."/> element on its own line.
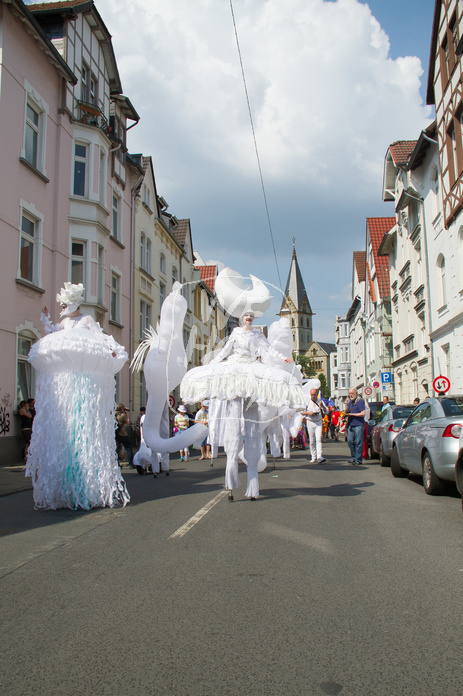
<point x="420" y="299"/>
<point x="91" y="115"/>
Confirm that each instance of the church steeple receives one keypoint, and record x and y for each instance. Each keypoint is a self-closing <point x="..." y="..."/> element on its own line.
<point x="296" y="307"/>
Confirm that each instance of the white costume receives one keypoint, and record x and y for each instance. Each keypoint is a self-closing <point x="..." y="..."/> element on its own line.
<point x="314" y="429"/>
<point x="248" y="384"/>
<point x="72" y="456"/>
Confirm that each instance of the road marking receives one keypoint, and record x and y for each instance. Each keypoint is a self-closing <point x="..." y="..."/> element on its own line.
<point x="181" y="531"/>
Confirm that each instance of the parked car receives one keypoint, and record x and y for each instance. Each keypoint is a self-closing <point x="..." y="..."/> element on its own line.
<point x="428" y="443"/>
<point x="385" y="431"/>
<point x="376" y="408"/>
<point x="459" y="467"/>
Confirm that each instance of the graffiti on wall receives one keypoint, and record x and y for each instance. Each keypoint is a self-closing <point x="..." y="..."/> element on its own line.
<point x="5" y="408"/>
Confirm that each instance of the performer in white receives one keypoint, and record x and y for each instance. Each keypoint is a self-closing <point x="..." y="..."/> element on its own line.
<point x="246" y="383"/>
<point x="314" y="415"/>
<point x="72" y="456"/>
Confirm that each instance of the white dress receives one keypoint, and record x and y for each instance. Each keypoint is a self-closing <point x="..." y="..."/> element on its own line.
<point x="72" y="456"/>
<point x="248" y="384"/>
<point x="247" y="367"/>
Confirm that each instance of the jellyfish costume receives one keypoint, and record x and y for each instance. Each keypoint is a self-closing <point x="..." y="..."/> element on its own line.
<point x="250" y="384"/>
<point x="72" y="456"/>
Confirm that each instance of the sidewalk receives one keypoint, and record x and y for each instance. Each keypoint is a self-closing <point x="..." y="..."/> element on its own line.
<point x="12" y="480"/>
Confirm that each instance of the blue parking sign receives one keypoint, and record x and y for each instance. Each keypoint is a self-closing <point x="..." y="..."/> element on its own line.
<point x="386" y="377"/>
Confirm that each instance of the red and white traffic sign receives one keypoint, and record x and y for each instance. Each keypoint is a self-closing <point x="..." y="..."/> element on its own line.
<point x="171" y="401"/>
<point x="368" y="391"/>
<point x="376" y="385"/>
<point x="441" y="384"/>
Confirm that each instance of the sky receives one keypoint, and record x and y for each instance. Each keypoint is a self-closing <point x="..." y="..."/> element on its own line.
<point x="331" y="84"/>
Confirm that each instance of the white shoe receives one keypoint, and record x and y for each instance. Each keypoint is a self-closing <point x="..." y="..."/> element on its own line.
<point x="322" y="460"/>
<point x="312" y="461"/>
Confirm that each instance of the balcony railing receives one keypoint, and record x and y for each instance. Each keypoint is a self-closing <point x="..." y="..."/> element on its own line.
<point x="91" y="115"/>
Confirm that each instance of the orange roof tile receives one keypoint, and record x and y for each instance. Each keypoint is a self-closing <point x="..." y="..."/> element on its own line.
<point x="359" y="261"/>
<point x="55" y="5"/>
<point x="181" y="230"/>
<point x="377" y="228"/>
<point x="208" y="275"/>
<point x="401" y="150"/>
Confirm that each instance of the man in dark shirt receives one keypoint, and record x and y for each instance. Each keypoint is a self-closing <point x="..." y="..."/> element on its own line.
<point x="355" y="413"/>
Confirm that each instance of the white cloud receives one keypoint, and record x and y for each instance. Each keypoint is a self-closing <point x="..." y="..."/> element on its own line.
<point x="326" y="99"/>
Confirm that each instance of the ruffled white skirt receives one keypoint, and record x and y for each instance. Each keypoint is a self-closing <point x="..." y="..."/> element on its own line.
<point x="243" y="378"/>
<point x="72" y="456"/>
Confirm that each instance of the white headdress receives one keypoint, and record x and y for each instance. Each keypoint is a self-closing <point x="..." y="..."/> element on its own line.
<point x="236" y="298"/>
<point x="71" y="296"/>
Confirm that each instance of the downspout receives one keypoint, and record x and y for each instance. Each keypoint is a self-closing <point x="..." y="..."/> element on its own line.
<point x="133" y="193"/>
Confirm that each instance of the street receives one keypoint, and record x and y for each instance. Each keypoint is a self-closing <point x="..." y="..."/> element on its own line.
<point x="338" y="580"/>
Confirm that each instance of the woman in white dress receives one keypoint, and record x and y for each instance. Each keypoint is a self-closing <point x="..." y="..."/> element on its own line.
<point x="248" y="385"/>
<point x="72" y="457"/>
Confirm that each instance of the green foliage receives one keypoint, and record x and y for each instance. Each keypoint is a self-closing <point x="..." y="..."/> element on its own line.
<point x="324" y="386"/>
<point x="306" y="364"/>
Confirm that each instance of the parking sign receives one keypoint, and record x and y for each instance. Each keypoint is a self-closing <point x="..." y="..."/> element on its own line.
<point x="386" y="377"/>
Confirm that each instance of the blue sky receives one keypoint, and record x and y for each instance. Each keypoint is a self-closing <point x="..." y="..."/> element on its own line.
<point x="331" y="85"/>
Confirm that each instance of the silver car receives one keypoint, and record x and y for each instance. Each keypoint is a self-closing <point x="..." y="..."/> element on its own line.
<point x="428" y="443"/>
<point x="385" y="431"/>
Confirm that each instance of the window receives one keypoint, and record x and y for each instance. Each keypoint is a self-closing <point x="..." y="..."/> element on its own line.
<point x="145" y="253"/>
<point x="145" y="318"/>
<point x="78" y="262"/>
<point x="35" y="128"/>
<point x="115" y="303"/>
<point x="146" y="196"/>
<point x="30" y="247"/>
<point x="89" y="86"/>
<point x="162" y="293"/>
<point x="162" y="263"/>
<point x="174" y="275"/>
<point x="442" y="301"/>
<point x="28" y="240"/>
<point x="31" y="141"/>
<point x="80" y="169"/>
<point x="116" y="218"/>
<point x="25" y="382"/>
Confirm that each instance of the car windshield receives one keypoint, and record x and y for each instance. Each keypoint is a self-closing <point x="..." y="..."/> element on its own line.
<point x="401" y="412"/>
<point x="451" y="408"/>
<point x="375" y="409"/>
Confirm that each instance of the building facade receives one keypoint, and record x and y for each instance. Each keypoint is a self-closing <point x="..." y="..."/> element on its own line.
<point x="445" y="232"/>
<point x="36" y="161"/>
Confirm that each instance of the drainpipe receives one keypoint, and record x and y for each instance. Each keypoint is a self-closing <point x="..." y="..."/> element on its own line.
<point x="133" y="193"/>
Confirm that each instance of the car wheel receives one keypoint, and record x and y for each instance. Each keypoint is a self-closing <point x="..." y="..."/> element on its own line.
<point x="383" y="459"/>
<point x="431" y="482"/>
<point x="396" y="469"/>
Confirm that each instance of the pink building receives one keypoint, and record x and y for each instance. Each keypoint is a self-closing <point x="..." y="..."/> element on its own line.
<point x="68" y="185"/>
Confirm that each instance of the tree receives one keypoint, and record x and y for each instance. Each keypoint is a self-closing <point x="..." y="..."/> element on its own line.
<point x="324" y="386"/>
<point x="306" y="364"/>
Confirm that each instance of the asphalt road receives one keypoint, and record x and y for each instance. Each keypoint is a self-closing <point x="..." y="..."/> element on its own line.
<point x="339" y="580"/>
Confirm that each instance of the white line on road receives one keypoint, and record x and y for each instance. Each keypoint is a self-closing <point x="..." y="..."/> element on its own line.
<point x="181" y="531"/>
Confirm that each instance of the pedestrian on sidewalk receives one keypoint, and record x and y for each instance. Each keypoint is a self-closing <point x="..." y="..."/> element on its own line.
<point x="314" y="414"/>
<point x="355" y="414"/>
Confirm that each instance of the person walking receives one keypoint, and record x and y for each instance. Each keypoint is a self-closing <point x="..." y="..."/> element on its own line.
<point x="314" y="415"/>
<point x="182" y="422"/>
<point x="202" y="416"/>
<point x="122" y="435"/>
<point x="355" y="414"/>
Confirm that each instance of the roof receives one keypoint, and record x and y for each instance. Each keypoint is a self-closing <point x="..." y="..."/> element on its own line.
<point x="422" y="145"/>
<point x="181" y="231"/>
<point x="377" y="228"/>
<point x="327" y="347"/>
<point x="401" y="151"/>
<point x="208" y="275"/>
<point x="360" y="263"/>
<point x="70" y="9"/>
<point x="295" y="288"/>
<point x="47" y="46"/>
